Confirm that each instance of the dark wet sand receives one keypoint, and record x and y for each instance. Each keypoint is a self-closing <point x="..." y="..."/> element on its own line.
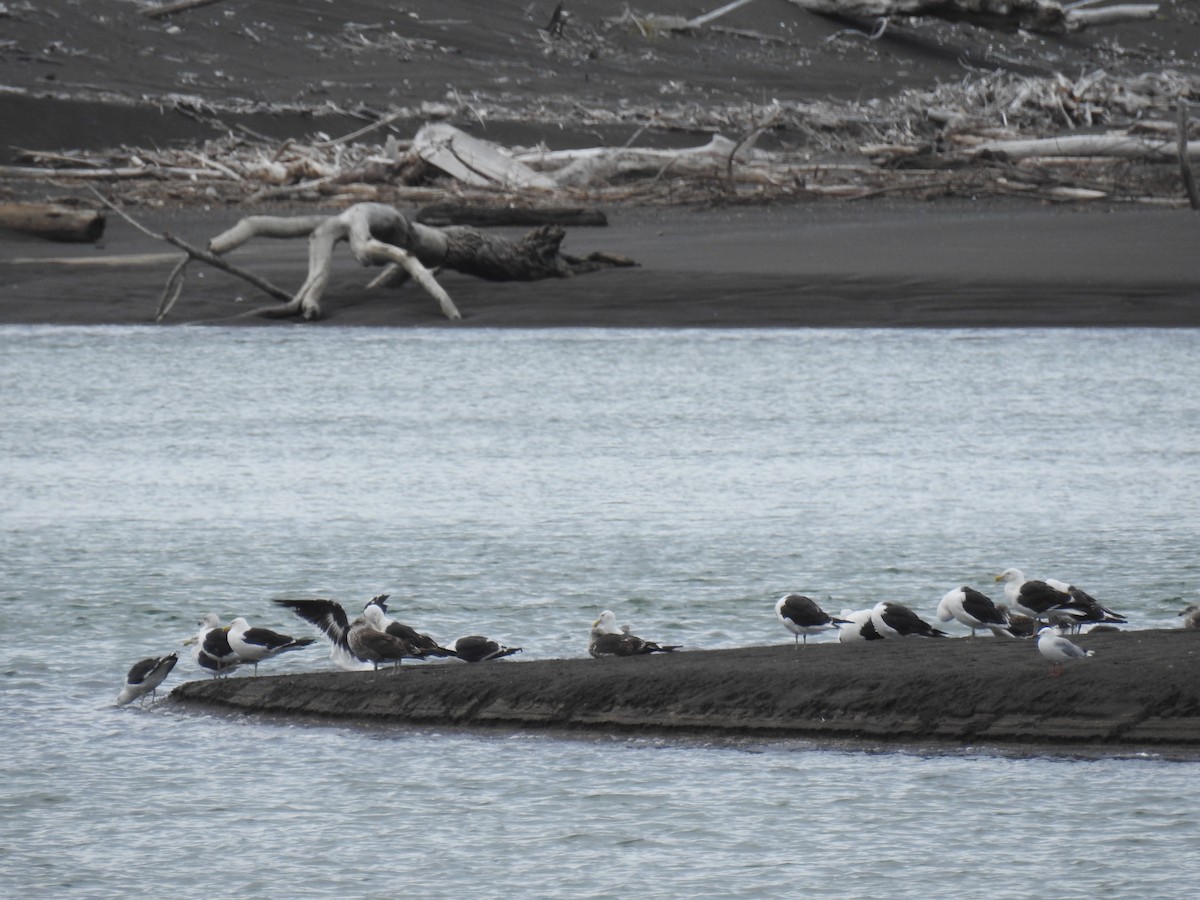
<point x="868" y="265"/>
<point x="1140" y="691"/>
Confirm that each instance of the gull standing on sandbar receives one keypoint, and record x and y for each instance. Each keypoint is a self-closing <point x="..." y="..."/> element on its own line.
<point x="802" y="616"/>
<point x="1058" y="649"/>
<point x="973" y="609"/>
<point x="897" y="620"/>
<point x="1035" y="599"/>
<point x="354" y="642"/>
<point x="375" y="612"/>
<point x="1082" y="608"/>
<point x="253" y="645"/>
<point x="212" y="650"/>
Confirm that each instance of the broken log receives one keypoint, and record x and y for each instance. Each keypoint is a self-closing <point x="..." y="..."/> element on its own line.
<point x="168" y="9"/>
<point x="440" y="215"/>
<point x="1121" y="146"/>
<point x="53" y="222"/>
<point x="1047" y="16"/>
<point x="473" y="161"/>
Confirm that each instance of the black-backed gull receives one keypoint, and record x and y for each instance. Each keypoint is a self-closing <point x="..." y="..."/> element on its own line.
<point x="477" y="648"/>
<point x="802" y="616"/>
<point x="427" y="646"/>
<point x="609" y="640"/>
<point x="1035" y="599"/>
<point x="973" y="609"/>
<point x="145" y="677"/>
<point x="897" y="620"/>
<point x="212" y="651"/>
<point x="253" y="645"/>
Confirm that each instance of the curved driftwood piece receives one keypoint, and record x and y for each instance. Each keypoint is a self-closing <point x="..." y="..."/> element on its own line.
<point x="380" y="235"/>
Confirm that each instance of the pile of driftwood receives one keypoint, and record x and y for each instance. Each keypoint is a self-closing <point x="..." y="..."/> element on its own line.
<point x="1095" y="136"/>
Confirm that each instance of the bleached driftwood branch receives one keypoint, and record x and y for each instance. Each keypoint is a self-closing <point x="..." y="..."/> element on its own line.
<point x="379" y="235"/>
<point x="1123" y="146"/>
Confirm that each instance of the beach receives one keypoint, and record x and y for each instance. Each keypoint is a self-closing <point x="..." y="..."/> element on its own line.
<point x="295" y="73"/>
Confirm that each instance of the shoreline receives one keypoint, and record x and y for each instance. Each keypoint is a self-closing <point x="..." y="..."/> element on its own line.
<point x="889" y="265"/>
<point x="1137" y="694"/>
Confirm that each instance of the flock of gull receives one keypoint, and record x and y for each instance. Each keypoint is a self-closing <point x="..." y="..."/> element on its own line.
<point x="1044" y="609"/>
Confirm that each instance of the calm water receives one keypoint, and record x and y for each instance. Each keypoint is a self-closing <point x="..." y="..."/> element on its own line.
<point x="516" y="483"/>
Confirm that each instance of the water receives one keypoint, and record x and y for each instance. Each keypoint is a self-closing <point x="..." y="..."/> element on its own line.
<point x="516" y="483"/>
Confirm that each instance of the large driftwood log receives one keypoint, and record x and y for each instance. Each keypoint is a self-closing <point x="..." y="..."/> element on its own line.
<point x="1122" y="146"/>
<point x="53" y="222"/>
<point x="380" y="235"/>
<point x="1034" y="15"/>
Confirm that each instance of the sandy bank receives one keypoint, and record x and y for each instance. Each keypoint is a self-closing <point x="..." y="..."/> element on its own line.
<point x="871" y="265"/>
<point x="1140" y="690"/>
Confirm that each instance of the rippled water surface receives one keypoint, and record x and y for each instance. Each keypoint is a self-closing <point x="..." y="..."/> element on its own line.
<point x="515" y="483"/>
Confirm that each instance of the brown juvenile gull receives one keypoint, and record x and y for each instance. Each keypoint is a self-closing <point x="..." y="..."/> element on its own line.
<point x="423" y="642"/>
<point x="329" y="616"/>
<point x="802" y="616"/>
<point x="609" y="640"/>
<point x="145" y="677"/>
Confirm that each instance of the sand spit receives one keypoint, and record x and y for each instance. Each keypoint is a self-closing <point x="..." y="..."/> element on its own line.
<point x="1141" y="690"/>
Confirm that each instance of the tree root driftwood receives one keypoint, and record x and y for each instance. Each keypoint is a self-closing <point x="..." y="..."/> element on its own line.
<point x="380" y="235"/>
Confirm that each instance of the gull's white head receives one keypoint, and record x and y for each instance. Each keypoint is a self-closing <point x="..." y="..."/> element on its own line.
<point x="607" y="623"/>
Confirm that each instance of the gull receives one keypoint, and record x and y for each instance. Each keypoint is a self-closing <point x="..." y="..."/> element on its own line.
<point x="375" y="612"/>
<point x="145" y="677"/>
<point x="477" y="648"/>
<point x="212" y="650"/>
<point x="609" y="640"/>
<point x="1035" y="599"/>
<point x="973" y="609"/>
<point x="253" y="645"/>
<point x="1058" y="649"/>
<point x="1083" y="608"/>
<point x="897" y="620"/>
<point x="354" y="643"/>
<point x="802" y="616"/>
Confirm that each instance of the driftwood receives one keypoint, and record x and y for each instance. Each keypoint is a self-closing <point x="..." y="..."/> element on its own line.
<point x="169" y="9"/>
<point x="379" y="235"/>
<point x="440" y="215"/>
<point x="1034" y="15"/>
<point x="53" y="222"/>
<point x="1181" y="148"/>
<point x="1121" y="146"/>
<point x="474" y="162"/>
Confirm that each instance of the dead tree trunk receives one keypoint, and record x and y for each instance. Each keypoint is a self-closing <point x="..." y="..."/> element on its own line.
<point x="379" y="235"/>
